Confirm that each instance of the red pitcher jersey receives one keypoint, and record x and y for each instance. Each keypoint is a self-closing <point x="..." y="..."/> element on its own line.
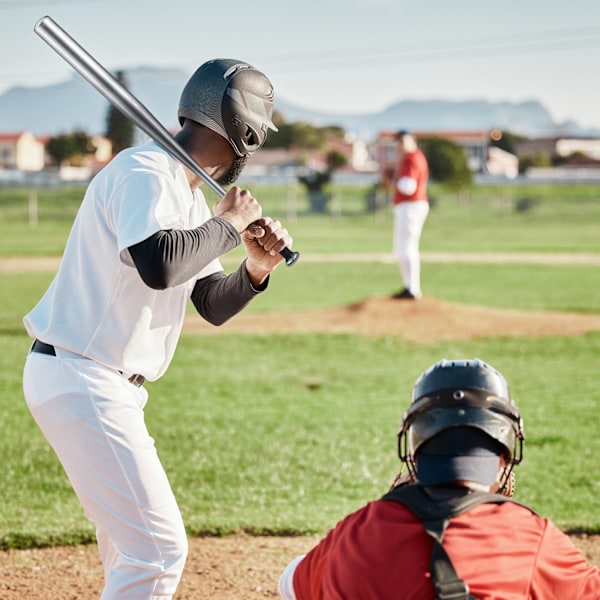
<point x="413" y="165"/>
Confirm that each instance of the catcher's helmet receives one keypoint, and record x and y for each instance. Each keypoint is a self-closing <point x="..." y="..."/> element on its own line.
<point x="233" y="99"/>
<point x="467" y="394"/>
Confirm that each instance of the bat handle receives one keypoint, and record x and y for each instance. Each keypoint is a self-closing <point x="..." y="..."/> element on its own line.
<point x="290" y="257"/>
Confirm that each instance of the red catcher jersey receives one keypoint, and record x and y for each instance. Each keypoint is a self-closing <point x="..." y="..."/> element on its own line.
<point x="413" y="165"/>
<point x="503" y="552"/>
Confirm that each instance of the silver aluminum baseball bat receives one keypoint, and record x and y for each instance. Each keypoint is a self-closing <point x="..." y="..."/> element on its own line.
<point x="122" y="99"/>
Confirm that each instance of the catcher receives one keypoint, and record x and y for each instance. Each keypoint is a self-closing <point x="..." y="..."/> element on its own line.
<point x="448" y="528"/>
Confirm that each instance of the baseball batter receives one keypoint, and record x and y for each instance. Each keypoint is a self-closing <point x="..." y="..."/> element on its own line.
<point x="143" y="244"/>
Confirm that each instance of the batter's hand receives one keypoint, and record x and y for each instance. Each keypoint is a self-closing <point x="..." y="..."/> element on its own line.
<point x="238" y="207"/>
<point x="264" y="240"/>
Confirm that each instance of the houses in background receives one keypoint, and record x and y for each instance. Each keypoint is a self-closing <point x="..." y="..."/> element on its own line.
<point x="562" y="147"/>
<point x="287" y="163"/>
<point x="380" y="155"/>
<point x="572" y="159"/>
<point x="565" y="157"/>
<point x="482" y="157"/>
<point x="22" y="153"/>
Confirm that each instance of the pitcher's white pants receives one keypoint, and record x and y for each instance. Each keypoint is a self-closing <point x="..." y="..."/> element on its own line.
<point x="409" y="218"/>
<point x="93" y="418"/>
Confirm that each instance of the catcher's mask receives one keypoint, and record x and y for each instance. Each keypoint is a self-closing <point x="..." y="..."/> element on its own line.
<point x="233" y="99"/>
<point x="460" y="421"/>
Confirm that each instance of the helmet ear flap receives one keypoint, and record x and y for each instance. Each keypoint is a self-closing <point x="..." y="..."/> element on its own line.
<point x="244" y="139"/>
<point x="247" y="110"/>
<point x="250" y="138"/>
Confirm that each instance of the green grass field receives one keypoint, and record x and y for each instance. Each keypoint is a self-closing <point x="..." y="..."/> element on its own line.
<point x="285" y="434"/>
<point x="487" y="219"/>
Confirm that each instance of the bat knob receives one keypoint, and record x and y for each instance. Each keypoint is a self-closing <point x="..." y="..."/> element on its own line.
<point x="290" y="257"/>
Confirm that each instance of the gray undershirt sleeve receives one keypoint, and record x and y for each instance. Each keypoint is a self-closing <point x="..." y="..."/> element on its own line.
<point x="219" y="297"/>
<point x="172" y="257"/>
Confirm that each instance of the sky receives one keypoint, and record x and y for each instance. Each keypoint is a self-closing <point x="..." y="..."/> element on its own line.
<point x="340" y="56"/>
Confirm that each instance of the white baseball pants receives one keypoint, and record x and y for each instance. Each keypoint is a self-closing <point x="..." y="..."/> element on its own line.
<point x="93" y="418"/>
<point x="409" y="218"/>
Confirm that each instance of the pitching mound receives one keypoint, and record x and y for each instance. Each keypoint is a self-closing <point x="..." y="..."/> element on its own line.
<point x="426" y="320"/>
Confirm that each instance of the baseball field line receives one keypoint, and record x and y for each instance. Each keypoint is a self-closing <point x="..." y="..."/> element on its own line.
<point x="29" y="264"/>
<point x="536" y="258"/>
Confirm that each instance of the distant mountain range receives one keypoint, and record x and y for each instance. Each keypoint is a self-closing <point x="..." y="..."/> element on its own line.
<point x="74" y="104"/>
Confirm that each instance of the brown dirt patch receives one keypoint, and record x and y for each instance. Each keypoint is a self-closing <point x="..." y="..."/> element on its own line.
<point x="426" y="320"/>
<point x="229" y="568"/>
<point x="225" y="568"/>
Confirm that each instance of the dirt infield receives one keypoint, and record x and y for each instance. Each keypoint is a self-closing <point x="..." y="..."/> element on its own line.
<point x="427" y="320"/>
<point x="237" y="567"/>
<point x="232" y="568"/>
<point x="243" y="567"/>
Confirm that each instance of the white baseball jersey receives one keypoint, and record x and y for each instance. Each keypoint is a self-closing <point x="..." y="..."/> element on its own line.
<point x="97" y="305"/>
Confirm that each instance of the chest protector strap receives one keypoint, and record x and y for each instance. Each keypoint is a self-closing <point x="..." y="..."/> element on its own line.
<point x="436" y="514"/>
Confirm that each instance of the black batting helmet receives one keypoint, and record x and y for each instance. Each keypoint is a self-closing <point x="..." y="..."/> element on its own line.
<point x="460" y="401"/>
<point x="233" y="99"/>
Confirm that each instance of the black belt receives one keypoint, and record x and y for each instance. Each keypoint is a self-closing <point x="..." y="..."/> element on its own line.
<point x="43" y="348"/>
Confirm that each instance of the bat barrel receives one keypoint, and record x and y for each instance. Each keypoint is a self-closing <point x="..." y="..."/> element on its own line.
<point x="118" y="95"/>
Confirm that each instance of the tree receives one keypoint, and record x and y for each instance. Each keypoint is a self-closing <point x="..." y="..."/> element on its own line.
<point x="317" y="182"/>
<point x="59" y="148"/>
<point x="447" y="162"/>
<point x="71" y="147"/>
<point x="506" y="141"/>
<point x="541" y="159"/>
<point x="301" y="135"/>
<point x="297" y="135"/>
<point x="335" y="160"/>
<point x="119" y="129"/>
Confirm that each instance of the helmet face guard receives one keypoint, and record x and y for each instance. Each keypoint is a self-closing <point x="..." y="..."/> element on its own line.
<point x="454" y="394"/>
<point x="233" y="99"/>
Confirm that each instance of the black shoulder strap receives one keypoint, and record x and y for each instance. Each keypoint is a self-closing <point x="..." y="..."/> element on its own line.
<point x="426" y="507"/>
<point x="448" y="585"/>
<point x="436" y="514"/>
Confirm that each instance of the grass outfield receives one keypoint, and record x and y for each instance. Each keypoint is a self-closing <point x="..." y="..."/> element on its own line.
<point x="287" y="433"/>
<point x="293" y="441"/>
<point x="559" y="219"/>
